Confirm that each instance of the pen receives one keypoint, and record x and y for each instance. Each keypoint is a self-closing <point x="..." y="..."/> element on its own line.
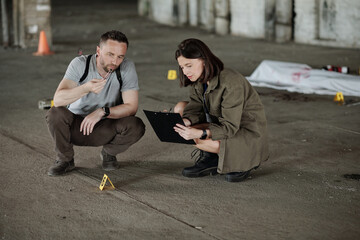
<point x="108" y="73"/>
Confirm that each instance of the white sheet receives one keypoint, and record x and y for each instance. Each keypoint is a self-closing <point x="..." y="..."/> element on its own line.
<point x="297" y="77"/>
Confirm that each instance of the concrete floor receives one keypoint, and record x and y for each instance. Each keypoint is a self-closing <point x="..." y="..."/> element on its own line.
<point x="301" y="193"/>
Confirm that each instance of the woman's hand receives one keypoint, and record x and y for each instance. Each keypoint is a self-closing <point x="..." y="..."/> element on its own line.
<point x="188" y="133"/>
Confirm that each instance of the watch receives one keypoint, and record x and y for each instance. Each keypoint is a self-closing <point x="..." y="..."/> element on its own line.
<point x="204" y="135"/>
<point x="106" y="111"/>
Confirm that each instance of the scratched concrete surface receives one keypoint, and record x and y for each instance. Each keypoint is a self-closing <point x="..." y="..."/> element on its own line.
<point x="301" y="192"/>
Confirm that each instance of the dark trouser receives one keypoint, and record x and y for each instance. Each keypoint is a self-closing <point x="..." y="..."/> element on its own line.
<point x="115" y="135"/>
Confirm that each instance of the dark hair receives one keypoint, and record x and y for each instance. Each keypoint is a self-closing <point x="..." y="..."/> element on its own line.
<point x="194" y="48"/>
<point x="114" y="35"/>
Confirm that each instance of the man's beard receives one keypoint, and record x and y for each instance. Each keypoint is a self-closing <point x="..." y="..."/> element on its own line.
<point x="107" y="68"/>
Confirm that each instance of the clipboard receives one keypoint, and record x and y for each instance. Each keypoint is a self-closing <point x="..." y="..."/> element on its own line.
<point x="163" y="124"/>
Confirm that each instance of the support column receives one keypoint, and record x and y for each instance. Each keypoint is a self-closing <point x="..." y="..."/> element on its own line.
<point x="5" y="23"/>
<point x="283" y="26"/>
<point x="222" y="17"/>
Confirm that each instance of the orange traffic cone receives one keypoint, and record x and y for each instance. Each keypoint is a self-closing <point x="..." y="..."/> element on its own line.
<point x="43" y="48"/>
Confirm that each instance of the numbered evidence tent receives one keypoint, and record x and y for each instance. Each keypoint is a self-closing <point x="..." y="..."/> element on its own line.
<point x="297" y="77"/>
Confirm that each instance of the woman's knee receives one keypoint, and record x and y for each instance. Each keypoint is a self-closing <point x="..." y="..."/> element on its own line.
<point x="180" y="106"/>
<point x="208" y="145"/>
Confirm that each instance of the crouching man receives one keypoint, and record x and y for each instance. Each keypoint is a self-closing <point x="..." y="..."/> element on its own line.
<point x="95" y="105"/>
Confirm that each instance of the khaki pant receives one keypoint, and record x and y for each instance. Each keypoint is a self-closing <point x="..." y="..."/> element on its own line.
<point x="115" y="135"/>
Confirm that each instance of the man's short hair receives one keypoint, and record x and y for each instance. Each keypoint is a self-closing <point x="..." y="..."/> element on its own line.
<point x="114" y="35"/>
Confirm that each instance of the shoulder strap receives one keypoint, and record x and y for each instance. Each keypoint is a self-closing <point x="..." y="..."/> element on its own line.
<point x="86" y="68"/>
<point x="118" y="75"/>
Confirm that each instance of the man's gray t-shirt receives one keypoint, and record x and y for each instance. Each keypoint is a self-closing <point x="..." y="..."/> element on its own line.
<point x="110" y="95"/>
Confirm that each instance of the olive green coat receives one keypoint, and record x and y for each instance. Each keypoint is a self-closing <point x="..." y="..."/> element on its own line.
<point x="239" y="120"/>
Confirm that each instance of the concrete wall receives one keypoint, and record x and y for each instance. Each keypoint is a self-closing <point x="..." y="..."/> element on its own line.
<point x="283" y="20"/>
<point x="206" y="15"/>
<point x="328" y="22"/>
<point x="248" y="18"/>
<point x="193" y="13"/>
<point x="162" y="11"/>
<point x="222" y="17"/>
<point x="319" y="22"/>
<point x="29" y="17"/>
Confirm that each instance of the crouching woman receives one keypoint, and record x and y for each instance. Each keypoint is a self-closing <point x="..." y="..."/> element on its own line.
<point x="224" y="112"/>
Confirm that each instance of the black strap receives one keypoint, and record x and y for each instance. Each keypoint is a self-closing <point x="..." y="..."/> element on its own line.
<point x="86" y="69"/>
<point x="118" y="75"/>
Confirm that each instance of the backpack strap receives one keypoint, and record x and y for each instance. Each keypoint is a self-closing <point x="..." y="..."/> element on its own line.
<point x="86" y="68"/>
<point x="118" y="75"/>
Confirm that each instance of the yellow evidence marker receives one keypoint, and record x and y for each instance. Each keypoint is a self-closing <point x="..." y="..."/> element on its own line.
<point x="172" y="75"/>
<point x="103" y="182"/>
<point x="45" y="103"/>
<point x="339" y="98"/>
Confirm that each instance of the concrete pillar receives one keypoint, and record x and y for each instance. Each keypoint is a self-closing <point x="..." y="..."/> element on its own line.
<point x="183" y="14"/>
<point x="162" y="11"/>
<point x="40" y="21"/>
<point x="222" y="8"/>
<point x="29" y="18"/>
<point x="328" y="19"/>
<point x="248" y="18"/>
<point x="222" y="17"/>
<point x="283" y="27"/>
<point x="15" y="20"/>
<point x="5" y="23"/>
<point x="207" y="15"/>
<point x="270" y="18"/>
<point x="193" y="12"/>
<point x="143" y="7"/>
<point x="19" y="23"/>
<point x="169" y="12"/>
<point x="305" y="21"/>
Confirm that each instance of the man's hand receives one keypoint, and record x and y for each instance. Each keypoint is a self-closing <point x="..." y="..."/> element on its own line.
<point x="96" y="85"/>
<point x="87" y="125"/>
<point x="68" y="91"/>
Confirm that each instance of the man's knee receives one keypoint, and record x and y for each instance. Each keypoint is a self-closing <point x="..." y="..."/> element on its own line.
<point x="57" y="114"/>
<point x="135" y="127"/>
<point x="139" y="126"/>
